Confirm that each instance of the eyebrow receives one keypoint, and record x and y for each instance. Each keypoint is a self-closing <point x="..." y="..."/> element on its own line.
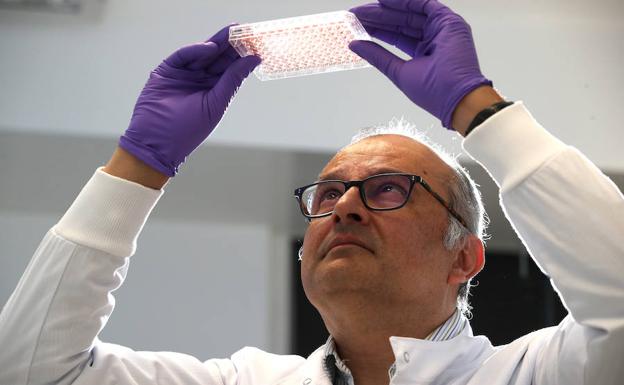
<point x="376" y="171"/>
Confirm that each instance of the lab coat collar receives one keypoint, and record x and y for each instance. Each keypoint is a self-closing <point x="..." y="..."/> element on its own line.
<point x="438" y="361"/>
<point x="416" y="360"/>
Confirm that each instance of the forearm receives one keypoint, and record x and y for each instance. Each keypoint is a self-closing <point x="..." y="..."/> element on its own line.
<point x="571" y="219"/>
<point x="63" y="299"/>
<point x="50" y="322"/>
<point x="566" y="211"/>
<point x="126" y="166"/>
<point x="471" y="105"/>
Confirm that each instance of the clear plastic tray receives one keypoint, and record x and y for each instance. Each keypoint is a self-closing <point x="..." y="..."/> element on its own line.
<point x="303" y="45"/>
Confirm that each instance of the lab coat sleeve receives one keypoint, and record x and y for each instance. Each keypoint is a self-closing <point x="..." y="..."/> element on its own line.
<point x="49" y="326"/>
<point x="571" y="219"/>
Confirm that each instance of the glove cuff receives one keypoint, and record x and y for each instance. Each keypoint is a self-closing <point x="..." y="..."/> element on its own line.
<point x="147" y="155"/>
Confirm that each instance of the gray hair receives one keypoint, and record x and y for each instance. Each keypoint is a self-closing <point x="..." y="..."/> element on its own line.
<point x="464" y="196"/>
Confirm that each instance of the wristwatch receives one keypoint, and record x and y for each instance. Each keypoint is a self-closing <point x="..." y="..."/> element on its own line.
<point x="485" y="114"/>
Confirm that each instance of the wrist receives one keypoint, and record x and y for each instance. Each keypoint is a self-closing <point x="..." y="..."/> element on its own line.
<point x="471" y="104"/>
<point x="126" y="166"/>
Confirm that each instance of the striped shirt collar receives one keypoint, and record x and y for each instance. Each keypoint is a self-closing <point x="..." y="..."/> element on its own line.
<point x="451" y="328"/>
<point x="340" y="373"/>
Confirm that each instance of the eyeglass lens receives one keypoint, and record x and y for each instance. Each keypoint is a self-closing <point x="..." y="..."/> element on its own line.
<point x="380" y="192"/>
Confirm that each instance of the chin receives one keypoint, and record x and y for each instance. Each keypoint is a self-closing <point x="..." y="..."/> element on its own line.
<point x="338" y="275"/>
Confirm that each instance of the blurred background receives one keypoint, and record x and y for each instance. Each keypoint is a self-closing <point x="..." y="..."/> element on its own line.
<point x="216" y="267"/>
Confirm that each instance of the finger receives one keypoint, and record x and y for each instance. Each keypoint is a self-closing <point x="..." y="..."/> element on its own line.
<point x="380" y="14"/>
<point x="232" y="78"/>
<point x="425" y="7"/>
<point x="219" y="65"/>
<point x="412" y="33"/>
<point x="404" y="43"/>
<point x="379" y="57"/>
<point x="192" y="53"/>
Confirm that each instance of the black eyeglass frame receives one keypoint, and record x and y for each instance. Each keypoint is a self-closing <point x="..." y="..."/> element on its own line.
<point x="359" y="183"/>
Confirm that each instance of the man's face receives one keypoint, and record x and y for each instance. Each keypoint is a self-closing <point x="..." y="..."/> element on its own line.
<point x="388" y="258"/>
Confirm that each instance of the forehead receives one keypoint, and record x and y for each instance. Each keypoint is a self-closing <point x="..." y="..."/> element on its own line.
<point x="385" y="153"/>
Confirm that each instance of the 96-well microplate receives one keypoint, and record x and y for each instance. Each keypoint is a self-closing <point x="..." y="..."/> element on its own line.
<point x="300" y="46"/>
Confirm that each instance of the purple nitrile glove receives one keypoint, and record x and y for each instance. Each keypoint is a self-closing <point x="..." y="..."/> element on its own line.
<point x="184" y="100"/>
<point x="444" y="65"/>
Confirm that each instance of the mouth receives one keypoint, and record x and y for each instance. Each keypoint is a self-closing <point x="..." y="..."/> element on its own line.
<point x="345" y="242"/>
<point x="341" y="245"/>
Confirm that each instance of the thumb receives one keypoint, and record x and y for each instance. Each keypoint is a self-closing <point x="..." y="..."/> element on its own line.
<point x="379" y="57"/>
<point x="233" y="77"/>
<point x="189" y="54"/>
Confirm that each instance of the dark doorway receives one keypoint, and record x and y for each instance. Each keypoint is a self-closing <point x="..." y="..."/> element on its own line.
<point x="512" y="298"/>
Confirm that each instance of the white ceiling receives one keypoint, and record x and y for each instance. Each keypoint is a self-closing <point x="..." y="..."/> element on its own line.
<point x="80" y="74"/>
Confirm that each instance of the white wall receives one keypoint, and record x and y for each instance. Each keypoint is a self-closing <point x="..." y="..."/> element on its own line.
<point x="203" y="287"/>
<point x="192" y="287"/>
<point x="81" y="74"/>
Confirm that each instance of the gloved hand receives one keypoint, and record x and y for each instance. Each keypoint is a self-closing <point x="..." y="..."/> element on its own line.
<point x="184" y="100"/>
<point x="444" y="65"/>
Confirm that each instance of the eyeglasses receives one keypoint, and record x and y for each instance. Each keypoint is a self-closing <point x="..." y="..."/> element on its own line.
<point x="382" y="192"/>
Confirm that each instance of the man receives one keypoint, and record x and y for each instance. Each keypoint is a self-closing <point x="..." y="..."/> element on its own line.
<point x="375" y="262"/>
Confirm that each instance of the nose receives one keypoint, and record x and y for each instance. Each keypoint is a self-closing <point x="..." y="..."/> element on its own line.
<point x="350" y="208"/>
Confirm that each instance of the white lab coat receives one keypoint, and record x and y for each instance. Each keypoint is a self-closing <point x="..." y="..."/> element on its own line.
<point x="570" y="216"/>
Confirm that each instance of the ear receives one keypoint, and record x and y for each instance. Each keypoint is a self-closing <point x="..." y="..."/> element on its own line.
<point x="469" y="260"/>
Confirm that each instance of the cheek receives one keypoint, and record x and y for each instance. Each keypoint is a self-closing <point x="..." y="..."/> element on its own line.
<point x="430" y="226"/>
<point x="419" y="247"/>
<point x="314" y="236"/>
<point x="416" y="236"/>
